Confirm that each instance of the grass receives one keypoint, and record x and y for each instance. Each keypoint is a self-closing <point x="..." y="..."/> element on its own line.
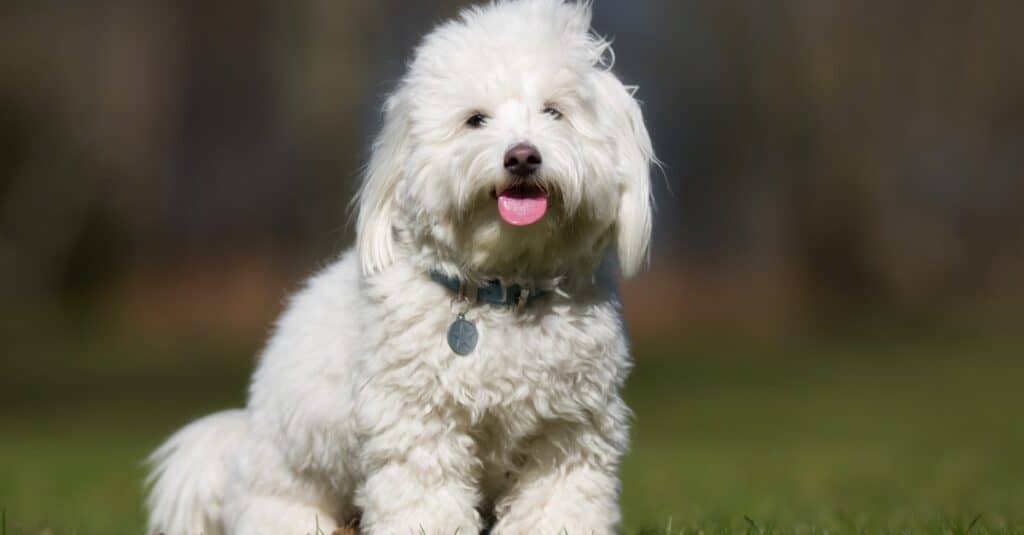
<point x="884" y="436"/>
<point x="910" y="434"/>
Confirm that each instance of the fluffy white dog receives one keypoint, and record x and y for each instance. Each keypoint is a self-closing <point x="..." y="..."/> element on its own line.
<point x="461" y="368"/>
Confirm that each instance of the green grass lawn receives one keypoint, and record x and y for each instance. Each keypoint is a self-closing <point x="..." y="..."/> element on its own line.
<point x="881" y="437"/>
<point x="894" y="435"/>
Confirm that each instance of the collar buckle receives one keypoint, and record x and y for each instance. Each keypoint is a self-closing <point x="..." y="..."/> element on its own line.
<point x="524" y="298"/>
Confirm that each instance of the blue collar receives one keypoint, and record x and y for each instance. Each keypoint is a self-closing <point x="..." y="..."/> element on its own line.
<point x="491" y="293"/>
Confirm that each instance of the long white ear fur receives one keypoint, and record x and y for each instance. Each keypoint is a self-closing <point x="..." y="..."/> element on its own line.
<point x="374" y="238"/>
<point x="635" y="155"/>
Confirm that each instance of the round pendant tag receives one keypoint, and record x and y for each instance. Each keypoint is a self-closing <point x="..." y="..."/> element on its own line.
<point x="462" y="336"/>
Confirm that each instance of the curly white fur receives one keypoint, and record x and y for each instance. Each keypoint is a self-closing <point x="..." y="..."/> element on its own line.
<point x="358" y="408"/>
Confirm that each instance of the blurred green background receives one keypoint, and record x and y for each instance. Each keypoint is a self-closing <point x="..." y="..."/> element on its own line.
<point x="829" y="337"/>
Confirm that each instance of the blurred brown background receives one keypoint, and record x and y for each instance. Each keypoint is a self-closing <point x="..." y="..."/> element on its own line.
<point x="182" y="164"/>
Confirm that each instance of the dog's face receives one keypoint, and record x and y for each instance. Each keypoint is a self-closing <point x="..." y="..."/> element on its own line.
<point x="510" y="149"/>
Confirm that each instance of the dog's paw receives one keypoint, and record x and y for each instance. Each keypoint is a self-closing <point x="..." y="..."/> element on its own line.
<point x="422" y="522"/>
<point x="554" y="525"/>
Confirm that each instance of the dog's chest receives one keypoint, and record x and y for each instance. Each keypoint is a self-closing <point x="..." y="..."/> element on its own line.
<point x="551" y="360"/>
<point x="527" y="355"/>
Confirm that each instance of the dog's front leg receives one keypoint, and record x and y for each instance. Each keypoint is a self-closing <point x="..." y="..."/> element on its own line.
<point x="421" y="475"/>
<point x="568" y="486"/>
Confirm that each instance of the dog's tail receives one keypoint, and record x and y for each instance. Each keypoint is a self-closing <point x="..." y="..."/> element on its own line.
<point x="189" y="474"/>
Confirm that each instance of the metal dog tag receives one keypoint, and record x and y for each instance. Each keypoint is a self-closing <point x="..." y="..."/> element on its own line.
<point x="462" y="336"/>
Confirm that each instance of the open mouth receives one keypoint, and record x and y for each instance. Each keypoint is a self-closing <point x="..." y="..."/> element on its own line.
<point x="521" y="203"/>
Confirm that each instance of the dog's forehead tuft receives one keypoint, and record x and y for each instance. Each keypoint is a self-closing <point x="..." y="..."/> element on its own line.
<point x="510" y="37"/>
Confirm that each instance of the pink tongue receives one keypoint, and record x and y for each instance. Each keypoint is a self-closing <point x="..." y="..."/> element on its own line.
<point x="521" y="211"/>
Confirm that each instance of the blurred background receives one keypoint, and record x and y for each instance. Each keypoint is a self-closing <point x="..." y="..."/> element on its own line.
<point x="830" y="333"/>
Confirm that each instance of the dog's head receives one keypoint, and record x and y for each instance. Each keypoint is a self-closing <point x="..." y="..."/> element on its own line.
<point x="510" y="149"/>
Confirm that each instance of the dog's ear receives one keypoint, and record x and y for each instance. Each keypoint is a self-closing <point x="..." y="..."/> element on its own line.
<point x="634" y="155"/>
<point x="374" y="238"/>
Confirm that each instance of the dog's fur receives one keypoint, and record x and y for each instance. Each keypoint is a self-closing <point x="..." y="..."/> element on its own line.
<point x="358" y="408"/>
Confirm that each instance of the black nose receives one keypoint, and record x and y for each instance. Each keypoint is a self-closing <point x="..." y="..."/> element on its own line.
<point x="522" y="160"/>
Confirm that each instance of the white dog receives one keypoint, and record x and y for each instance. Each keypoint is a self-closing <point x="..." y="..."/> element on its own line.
<point x="461" y="368"/>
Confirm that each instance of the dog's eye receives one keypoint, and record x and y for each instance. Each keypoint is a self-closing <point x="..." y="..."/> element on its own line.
<point x="553" y="112"/>
<point x="476" y="121"/>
